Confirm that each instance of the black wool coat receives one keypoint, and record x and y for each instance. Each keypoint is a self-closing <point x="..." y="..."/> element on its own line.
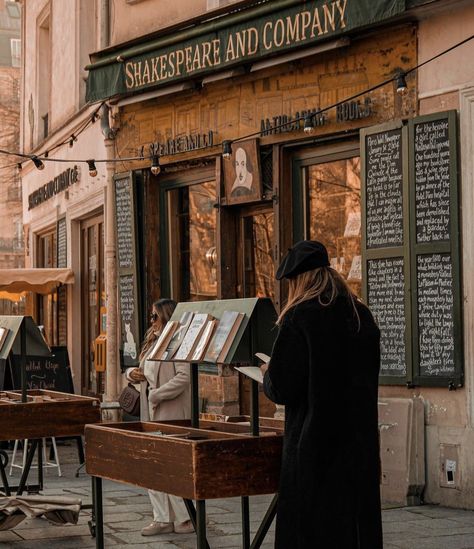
<point x="324" y="368"/>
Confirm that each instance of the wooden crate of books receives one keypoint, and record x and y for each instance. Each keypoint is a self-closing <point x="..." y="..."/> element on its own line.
<point x="189" y="463"/>
<point x="45" y="414"/>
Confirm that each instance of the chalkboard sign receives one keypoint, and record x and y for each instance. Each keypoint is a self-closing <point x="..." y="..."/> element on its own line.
<point x="435" y="252"/>
<point x="435" y="302"/>
<point x="384" y="188"/>
<point x="432" y="180"/>
<point x="127" y="253"/>
<point x="52" y="373"/>
<point x="61" y="243"/>
<point x="124" y="215"/>
<point x="385" y="298"/>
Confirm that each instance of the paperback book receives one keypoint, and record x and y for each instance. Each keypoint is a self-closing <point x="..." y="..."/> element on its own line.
<point x="192" y="337"/>
<point x="163" y="340"/>
<point x="178" y="336"/>
<point x="224" y="336"/>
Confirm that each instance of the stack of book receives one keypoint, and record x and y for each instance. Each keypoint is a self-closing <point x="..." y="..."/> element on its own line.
<point x="198" y="337"/>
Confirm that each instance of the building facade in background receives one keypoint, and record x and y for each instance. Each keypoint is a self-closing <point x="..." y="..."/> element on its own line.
<point x="12" y="251"/>
<point x="63" y="206"/>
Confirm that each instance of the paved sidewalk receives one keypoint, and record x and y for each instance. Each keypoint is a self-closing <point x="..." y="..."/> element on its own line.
<point x="127" y="510"/>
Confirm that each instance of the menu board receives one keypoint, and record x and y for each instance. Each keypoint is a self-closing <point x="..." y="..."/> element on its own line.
<point x="124" y="220"/>
<point x="432" y="180"/>
<point x="435" y="303"/>
<point x="385" y="297"/>
<point x="384" y="189"/>
<point x="61" y="252"/>
<point x="127" y="269"/>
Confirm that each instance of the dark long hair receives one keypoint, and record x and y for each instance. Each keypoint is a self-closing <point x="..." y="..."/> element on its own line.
<point x="164" y="307"/>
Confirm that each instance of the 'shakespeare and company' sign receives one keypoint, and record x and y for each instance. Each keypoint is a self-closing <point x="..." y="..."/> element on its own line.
<point x="298" y="26"/>
<point x="60" y="183"/>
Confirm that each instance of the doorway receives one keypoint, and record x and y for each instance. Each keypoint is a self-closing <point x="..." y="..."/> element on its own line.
<point x="92" y="299"/>
<point x="255" y="277"/>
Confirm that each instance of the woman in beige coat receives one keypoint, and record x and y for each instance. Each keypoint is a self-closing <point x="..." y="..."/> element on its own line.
<point x="168" y="398"/>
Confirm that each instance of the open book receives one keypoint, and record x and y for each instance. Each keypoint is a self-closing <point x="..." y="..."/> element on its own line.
<point x="253" y="372"/>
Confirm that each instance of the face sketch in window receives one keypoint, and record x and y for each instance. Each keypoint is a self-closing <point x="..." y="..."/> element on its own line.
<point x="243" y="175"/>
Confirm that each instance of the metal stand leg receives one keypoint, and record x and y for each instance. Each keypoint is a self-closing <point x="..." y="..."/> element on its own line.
<point x="245" y="523"/>
<point x="254" y="408"/>
<point x="194" y="395"/>
<point x="266" y="523"/>
<point x="201" y="524"/>
<point x="192" y="515"/>
<point x="3" y="474"/>
<point x="40" y="463"/>
<point x="26" y="470"/>
<point x="98" y="512"/>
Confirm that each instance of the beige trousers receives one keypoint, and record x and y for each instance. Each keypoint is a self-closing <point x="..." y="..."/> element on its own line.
<point x="167" y="508"/>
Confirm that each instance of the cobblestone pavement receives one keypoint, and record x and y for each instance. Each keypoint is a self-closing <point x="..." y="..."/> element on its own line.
<point x="127" y="510"/>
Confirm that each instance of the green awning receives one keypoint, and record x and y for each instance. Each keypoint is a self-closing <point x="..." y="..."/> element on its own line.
<point x="236" y="39"/>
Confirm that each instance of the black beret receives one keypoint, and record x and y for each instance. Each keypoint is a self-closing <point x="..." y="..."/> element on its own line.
<point x="305" y="255"/>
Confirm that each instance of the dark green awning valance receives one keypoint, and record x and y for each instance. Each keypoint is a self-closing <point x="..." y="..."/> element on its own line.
<point x="220" y="44"/>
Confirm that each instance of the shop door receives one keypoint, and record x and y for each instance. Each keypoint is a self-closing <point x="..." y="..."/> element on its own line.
<point x="93" y="298"/>
<point x="256" y="277"/>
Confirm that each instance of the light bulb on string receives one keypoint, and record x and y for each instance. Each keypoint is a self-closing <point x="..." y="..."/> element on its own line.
<point x="308" y="124"/>
<point x="155" y="164"/>
<point x="37" y="162"/>
<point x="227" y="149"/>
<point x="92" y="168"/>
<point x="402" y="87"/>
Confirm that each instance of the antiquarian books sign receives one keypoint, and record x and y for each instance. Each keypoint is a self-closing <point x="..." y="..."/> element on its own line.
<point x="177" y="57"/>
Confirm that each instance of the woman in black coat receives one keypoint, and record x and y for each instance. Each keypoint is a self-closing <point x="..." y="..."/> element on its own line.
<point x="324" y="368"/>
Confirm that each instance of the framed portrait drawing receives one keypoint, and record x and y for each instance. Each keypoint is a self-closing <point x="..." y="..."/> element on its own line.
<point x="242" y="179"/>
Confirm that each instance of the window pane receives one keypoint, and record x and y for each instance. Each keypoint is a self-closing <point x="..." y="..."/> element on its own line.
<point x="193" y="249"/>
<point x="334" y="215"/>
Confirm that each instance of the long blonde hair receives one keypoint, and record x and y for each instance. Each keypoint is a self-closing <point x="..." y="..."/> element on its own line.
<point x="164" y="307"/>
<point x="323" y="284"/>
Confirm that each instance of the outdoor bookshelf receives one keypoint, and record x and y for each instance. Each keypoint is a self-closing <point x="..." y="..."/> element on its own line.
<point x="203" y="459"/>
<point x="35" y="414"/>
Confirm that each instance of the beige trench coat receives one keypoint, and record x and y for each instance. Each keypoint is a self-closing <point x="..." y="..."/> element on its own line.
<point x="169" y="391"/>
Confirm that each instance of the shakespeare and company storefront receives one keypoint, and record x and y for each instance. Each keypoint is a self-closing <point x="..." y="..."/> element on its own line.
<point x="208" y="228"/>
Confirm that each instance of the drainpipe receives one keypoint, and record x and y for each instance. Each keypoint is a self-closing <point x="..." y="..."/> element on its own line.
<point x="112" y="379"/>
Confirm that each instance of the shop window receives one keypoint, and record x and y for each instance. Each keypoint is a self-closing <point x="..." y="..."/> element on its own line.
<point x="43" y="69"/>
<point x="48" y="304"/>
<point x="190" y="242"/>
<point x="333" y="195"/>
<point x="15" y="47"/>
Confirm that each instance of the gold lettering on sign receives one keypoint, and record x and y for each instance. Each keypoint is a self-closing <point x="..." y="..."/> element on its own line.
<point x="137" y="69"/>
<point x="129" y="80"/>
<point x="306" y="22"/>
<point x="279" y="28"/>
<point x="206" y="52"/>
<point x="252" y="37"/>
<point x="342" y="11"/>
<point x="171" y="62"/>
<point x="230" y="52"/>
<point x="154" y="70"/>
<point x="179" y="61"/>
<point x="267" y="43"/>
<point x="163" y="68"/>
<point x="329" y="18"/>
<point x="146" y="73"/>
<point x="188" y="53"/>
<point x="293" y="29"/>
<point x="316" y="24"/>
<point x="216" y="46"/>
<point x="197" y="59"/>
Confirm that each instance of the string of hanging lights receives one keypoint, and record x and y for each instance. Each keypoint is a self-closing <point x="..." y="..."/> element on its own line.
<point x="400" y="80"/>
